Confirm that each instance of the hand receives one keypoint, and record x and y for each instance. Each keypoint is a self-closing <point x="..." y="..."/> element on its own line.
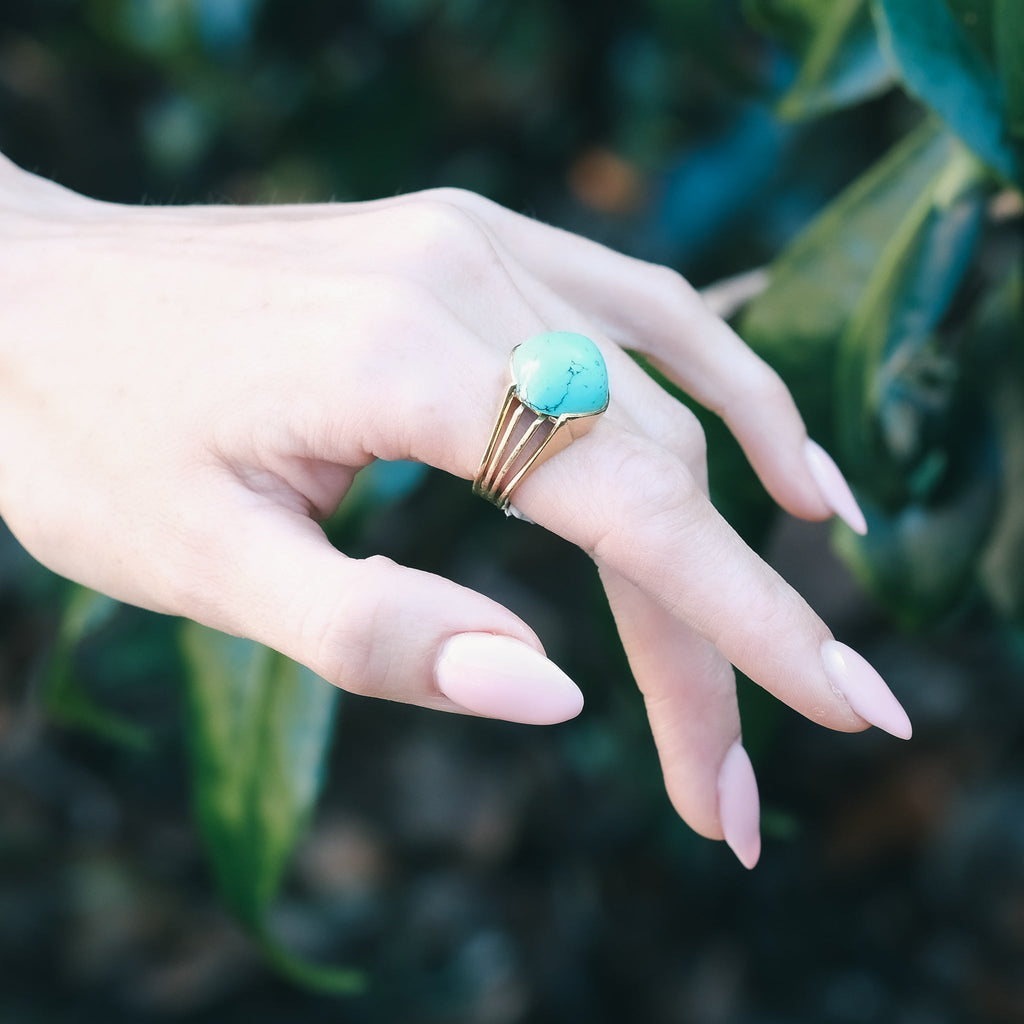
<point x="185" y="392"/>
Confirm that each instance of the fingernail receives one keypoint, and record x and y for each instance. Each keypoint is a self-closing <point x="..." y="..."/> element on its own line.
<point x="739" y="808"/>
<point x="834" y="488"/>
<point x="864" y="689"/>
<point x="500" y="677"/>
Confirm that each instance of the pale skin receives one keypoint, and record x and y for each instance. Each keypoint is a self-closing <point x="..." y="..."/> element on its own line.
<point x="186" y="392"/>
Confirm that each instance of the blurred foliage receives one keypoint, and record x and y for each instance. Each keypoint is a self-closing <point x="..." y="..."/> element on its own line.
<point x="672" y="128"/>
<point x="878" y="295"/>
<point x="842" y="61"/>
<point x="84" y="616"/>
<point x="260" y="727"/>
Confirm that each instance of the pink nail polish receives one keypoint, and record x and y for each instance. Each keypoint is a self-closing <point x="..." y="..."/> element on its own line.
<point x="500" y="677"/>
<point x="834" y="488"/>
<point x="739" y="808"/>
<point x="864" y="689"/>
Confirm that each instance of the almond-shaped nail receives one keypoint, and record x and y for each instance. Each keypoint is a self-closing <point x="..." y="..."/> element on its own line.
<point x="834" y="488"/>
<point x="499" y="677"/>
<point x="739" y="808"/>
<point x="864" y="689"/>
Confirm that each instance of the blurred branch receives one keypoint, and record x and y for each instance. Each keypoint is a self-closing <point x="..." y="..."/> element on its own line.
<point x="1005" y="205"/>
<point x="726" y="297"/>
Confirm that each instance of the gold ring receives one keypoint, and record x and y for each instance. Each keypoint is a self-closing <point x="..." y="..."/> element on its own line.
<point x="560" y="378"/>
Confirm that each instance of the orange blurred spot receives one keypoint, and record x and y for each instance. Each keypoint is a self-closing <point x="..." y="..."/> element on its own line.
<point x="605" y="181"/>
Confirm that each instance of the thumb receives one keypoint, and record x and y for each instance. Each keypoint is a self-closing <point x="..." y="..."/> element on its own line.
<point x="380" y="629"/>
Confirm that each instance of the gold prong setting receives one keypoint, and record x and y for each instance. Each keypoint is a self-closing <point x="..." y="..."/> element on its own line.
<point x="558" y="379"/>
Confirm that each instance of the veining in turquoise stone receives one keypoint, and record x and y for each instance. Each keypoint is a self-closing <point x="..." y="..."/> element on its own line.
<point x="559" y="374"/>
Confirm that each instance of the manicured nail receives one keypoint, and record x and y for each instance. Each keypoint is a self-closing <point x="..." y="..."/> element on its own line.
<point x="739" y="809"/>
<point x="500" y="677"/>
<point x="864" y="689"/>
<point x="834" y="488"/>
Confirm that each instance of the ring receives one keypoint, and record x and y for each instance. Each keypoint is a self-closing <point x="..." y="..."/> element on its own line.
<point x="560" y="378"/>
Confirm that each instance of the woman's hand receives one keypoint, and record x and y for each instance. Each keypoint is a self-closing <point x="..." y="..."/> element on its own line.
<point x="185" y="392"/>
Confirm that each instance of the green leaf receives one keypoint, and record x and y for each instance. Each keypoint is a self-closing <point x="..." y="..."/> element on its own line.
<point x="794" y="21"/>
<point x="888" y="374"/>
<point x="999" y="328"/>
<point x="260" y="728"/>
<point x="818" y="280"/>
<point x="1009" y="36"/>
<point x="919" y="562"/>
<point x="914" y="441"/>
<point x="842" y="63"/>
<point x="940" y="66"/>
<point x="86" y="613"/>
<point x="975" y="18"/>
<point x="854" y="301"/>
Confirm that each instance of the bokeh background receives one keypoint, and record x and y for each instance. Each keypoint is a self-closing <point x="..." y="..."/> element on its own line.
<point x="479" y="872"/>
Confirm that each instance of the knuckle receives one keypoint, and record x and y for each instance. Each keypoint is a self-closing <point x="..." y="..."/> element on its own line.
<point x="677" y="428"/>
<point x="443" y="237"/>
<point x="475" y="206"/>
<point x="767" y="614"/>
<point x="661" y="486"/>
<point x="760" y="387"/>
<point x="460" y="198"/>
<point x="768" y="385"/>
<point x="342" y="633"/>
<point x="677" y="292"/>
<point x="654" y="493"/>
<point x="404" y="305"/>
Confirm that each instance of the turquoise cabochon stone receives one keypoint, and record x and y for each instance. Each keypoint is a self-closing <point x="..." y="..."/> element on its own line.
<point x="560" y="373"/>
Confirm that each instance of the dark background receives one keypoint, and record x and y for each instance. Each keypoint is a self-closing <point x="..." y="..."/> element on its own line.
<point x="477" y="871"/>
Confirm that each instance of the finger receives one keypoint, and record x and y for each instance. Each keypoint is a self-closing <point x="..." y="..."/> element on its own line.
<point x="690" y="693"/>
<point x="655" y="311"/>
<point x="371" y="626"/>
<point x="636" y="508"/>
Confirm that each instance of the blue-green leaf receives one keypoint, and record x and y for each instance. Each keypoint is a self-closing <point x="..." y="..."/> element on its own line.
<point x="939" y="65"/>
<point x="260" y="728"/>
<point x="842" y="63"/>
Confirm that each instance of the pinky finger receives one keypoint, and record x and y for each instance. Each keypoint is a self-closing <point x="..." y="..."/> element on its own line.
<point x="690" y="692"/>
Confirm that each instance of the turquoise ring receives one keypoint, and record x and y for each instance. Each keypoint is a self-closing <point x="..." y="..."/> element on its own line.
<point x="560" y="380"/>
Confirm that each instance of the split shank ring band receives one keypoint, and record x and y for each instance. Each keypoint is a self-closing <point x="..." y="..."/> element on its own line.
<point x="559" y="387"/>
